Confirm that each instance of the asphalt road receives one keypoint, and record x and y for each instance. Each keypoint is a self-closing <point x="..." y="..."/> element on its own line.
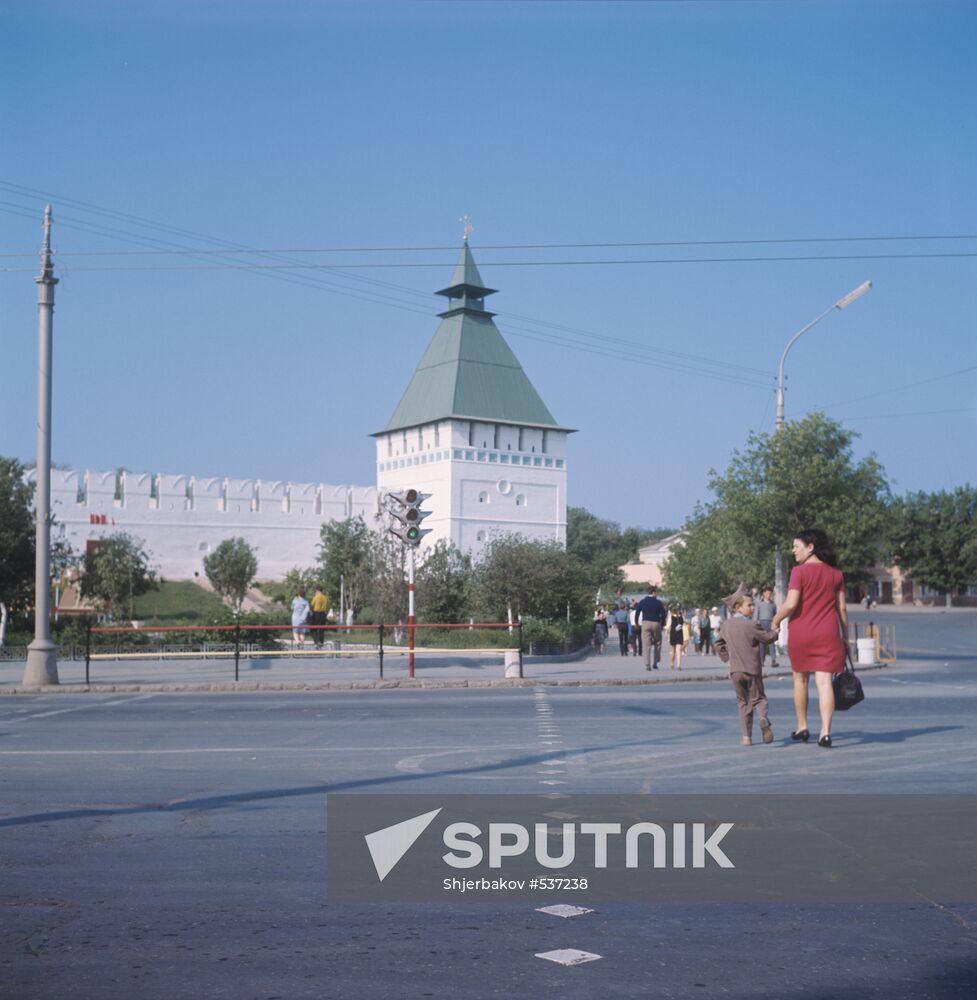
<point x="163" y="845"/>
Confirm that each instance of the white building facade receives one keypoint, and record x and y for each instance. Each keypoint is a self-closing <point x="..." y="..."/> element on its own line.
<point x="473" y="432"/>
<point x="182" y="519"/>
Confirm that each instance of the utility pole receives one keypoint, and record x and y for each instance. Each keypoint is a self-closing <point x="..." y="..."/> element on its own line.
<point x="42" y="654"/>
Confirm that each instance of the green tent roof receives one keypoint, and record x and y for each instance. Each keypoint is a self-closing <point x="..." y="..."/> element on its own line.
<point x="469" y="371"/>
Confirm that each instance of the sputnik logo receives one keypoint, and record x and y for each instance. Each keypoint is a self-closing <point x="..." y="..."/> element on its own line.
<point x="389" y="845"/>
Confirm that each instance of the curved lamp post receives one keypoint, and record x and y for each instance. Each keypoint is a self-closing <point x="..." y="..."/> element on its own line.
<point x="780" y="560"/>
<point x="846" y="300"/>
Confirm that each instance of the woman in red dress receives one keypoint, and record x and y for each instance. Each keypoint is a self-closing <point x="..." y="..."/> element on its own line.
<point x="818" y="617"/>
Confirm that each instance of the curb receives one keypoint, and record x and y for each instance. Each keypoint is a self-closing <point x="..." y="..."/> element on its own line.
<point x="246" y="687"/>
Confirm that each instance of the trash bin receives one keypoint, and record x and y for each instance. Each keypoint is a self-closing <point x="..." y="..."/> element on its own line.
<point x="866" y="650"/>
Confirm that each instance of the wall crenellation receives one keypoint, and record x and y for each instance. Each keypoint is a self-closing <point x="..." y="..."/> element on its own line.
<point x="181" y="518"/>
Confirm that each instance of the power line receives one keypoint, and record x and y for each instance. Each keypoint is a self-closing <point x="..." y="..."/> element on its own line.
<point x="899" y="388"/>
<point x="394" y="295"/>
<point x="917" y="413"/>
<point x="509" y="263"/>
<point x="519" y="246"/>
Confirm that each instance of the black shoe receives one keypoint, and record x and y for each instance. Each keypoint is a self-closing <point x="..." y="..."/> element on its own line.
<point x="825" y="741"/>
<point x="802" y="735"/>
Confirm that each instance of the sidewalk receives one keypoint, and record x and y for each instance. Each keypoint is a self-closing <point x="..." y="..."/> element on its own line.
<point x="316" y="671"/>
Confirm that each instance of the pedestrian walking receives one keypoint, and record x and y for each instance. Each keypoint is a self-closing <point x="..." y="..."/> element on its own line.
<point x="818" y="616"/>
<point x="705" y="631"/>
<point x="676" y="631"/>
<point x="621" y="624"/>
<point x="715" y="621"/>
<point x="319" y="609"/>
<point x="634" y="631"/>
<point x="300" y="615"/>
<point x="600" y="631"/>
<point x="740" y="644"/>
<point x="651" y="620"/>
<point x="764" y="611"/>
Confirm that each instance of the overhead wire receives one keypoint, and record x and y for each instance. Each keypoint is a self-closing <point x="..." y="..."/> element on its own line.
<point x="898" y="388"/>
<point x="394" y="295"/>
<point x="618" y="262"/>
<point x="694" y="364"/>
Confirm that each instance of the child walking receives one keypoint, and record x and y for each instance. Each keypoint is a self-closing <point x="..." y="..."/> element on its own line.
<point x="740" y="646"/>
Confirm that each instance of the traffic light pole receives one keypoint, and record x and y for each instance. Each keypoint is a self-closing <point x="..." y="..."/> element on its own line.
<point x="410" y="610"/>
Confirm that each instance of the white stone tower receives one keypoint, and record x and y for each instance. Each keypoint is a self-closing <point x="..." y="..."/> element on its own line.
<point x="472" y="431"/>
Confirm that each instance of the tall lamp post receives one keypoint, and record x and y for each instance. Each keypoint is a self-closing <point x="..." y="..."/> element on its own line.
<point x="780" y="560"/>
<point x="842" y="303"/>
<point x="42" y="654"/>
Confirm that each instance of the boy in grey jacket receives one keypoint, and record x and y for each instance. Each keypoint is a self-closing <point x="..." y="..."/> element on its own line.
<point x="740" y="646"/>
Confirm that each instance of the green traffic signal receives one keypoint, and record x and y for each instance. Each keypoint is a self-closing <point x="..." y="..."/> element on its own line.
<point x="413" y="533"/>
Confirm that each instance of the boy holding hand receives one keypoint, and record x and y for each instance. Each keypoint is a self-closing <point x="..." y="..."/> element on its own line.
<point x="740" y="646"/>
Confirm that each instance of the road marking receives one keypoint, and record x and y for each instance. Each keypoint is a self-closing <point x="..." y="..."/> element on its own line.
<point x="78" y="708"/>
<point x="276" y="749"/>
<point x="564" y="910"/>
<point x="569" y="956"/>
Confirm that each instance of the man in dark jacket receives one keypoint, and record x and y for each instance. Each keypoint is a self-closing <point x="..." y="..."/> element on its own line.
<point x="651" y="615"/>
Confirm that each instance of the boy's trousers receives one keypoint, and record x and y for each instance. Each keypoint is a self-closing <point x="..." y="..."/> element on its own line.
<point x="750" y="697"/>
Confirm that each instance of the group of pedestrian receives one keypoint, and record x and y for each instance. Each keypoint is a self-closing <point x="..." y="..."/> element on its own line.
<point x="747" y="631"/>
<point x="643" y="626"/>
<point x="306" y="613"/>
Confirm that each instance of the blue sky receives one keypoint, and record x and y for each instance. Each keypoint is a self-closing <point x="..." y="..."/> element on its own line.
<point x="329" y="127"/>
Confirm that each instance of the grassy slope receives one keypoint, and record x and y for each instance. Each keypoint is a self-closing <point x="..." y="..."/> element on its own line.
<point x="179" y="600"/>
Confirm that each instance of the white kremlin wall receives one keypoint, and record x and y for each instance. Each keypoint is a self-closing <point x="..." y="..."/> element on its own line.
<point x="181" y="519"/>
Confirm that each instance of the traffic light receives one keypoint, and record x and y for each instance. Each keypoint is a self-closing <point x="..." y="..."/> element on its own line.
<point x="405" y="508"/>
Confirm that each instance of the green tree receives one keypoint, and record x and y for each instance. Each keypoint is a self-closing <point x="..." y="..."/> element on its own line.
<point x="298" y="578"/>
<point x="17" y="534"/>
<point x="345" y="560"/>
<point x="702" y="567"/>
<point x="117" y="570"/>
<point x="444" y="584"/>
<point x="231" y="569"/>
<point x="935" y="538"/>
<point x="801" y="477"/>
<point x="385" y="589"/>
<point x="534" y="578"/>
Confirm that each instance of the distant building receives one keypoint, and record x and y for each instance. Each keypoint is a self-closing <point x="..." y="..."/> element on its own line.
<point x="472" y="431"/>
<point x="648" y="568"/>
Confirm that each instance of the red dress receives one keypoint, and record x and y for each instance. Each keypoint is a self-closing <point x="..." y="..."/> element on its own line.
<point x="814" y="640"/>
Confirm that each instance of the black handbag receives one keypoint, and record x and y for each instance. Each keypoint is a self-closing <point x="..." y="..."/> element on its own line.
<point x="847" y="687"/>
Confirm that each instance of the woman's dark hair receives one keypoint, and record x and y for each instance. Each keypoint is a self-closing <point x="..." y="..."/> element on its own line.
<point x="823" y="549"/>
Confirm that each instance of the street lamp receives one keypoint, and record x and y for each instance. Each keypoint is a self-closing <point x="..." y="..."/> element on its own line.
<point x="844" y="301"/>
<point x="780" y="560"/>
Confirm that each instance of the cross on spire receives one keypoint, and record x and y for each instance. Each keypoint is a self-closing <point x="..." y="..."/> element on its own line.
<point x="466" y="219"/>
